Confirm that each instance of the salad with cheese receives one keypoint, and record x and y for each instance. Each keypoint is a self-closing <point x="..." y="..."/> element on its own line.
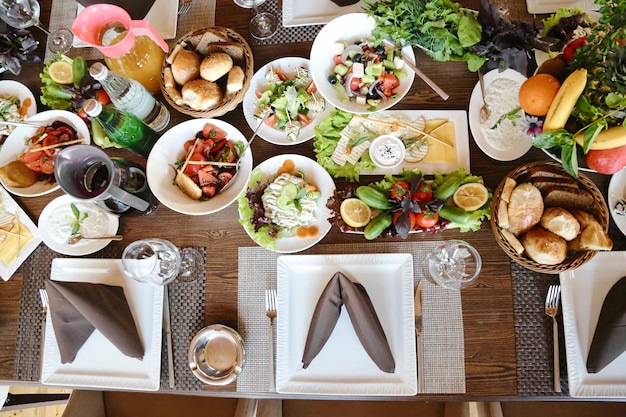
<point x="364" y="73"/>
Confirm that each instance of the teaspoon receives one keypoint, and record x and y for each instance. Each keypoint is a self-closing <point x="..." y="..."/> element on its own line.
<point x="484" y="110"/>
<point x="78" y="237"/>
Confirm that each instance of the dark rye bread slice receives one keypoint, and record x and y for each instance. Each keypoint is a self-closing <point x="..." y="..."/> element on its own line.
<point x="568" y="198"/>
<point x="541" y="172"/>
<point x="544" y="183"/>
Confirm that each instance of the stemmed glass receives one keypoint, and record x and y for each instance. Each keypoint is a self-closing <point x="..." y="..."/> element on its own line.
<point x="263" y="25"/>
<point x="22" y="14"/>
<point x="159" y="262"/>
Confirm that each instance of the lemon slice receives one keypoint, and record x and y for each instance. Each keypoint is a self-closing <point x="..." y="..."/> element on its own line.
<point x="61" y="72"/>
<point x="471" y="196"/>
<point x="355" y="212"/>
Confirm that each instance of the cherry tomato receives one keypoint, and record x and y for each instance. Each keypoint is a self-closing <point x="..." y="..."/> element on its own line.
<point x="210" y="131"/>
<point x="50" y="140"/>
<point x="280" y="74"/>
<point x="103" y="97"/>
<point x="412" y="218"/>
<point x="209" y="190"/>
<point x="206" y="177"/>
<point x="228" y="154"/>
<point x="426" y="219"/>
<point x="337" y="60"/>
<point x="399" y="190"/>
<point x="568" y="52"/>
<point x="225" y="177"/>
<point x="424" y="193"/>
<point x="34" y="165"/>
<point x="83" y="115"/>
<point x="258" y="93"/>
<point x="271" y="120"/>
<point x="390" y="81"/>
<point x="47" y="165"/>
<point x="355" y="84"/>
<point x="311" y="89"/>
<point x="304" y="119"/>
<point x="33" y="154"/>
<point x="192" y="169"/>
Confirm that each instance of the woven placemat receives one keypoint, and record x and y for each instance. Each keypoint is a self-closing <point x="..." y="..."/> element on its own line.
<point x="284" y="34"/>
<point x="186" y="310"/>
<point x="444" y="354"/>
<point x="63" y="12"/>
<point x="533" y="334"/>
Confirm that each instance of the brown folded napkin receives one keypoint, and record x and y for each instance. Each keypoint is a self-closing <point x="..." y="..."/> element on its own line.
<point x="342" y="3"/>
<point x="341" y="290"/>
<point x="609" y="339"/>
<point x="137" y="9"/>
<point x="78" y="308"/>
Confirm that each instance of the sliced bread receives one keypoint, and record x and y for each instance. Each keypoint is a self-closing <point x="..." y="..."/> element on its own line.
<point x="544" y="183"/>
<point x="567" y="197"/>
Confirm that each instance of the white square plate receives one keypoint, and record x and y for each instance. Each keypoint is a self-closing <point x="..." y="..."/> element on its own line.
<point x="306" y="12"/>
<point x="6" y="271"/>
<point x="99" y="364"/>
<point x="343" y="366"/>
<point x="163" y="15"/>
<point x="583" y="292"/>
<point x="551" y="6"/>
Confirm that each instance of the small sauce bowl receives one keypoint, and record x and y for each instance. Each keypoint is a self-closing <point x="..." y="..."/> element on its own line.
<point x="387" y="151"/>
<point x="217" y="355"/>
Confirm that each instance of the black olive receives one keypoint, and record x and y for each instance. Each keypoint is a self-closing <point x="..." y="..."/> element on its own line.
<point x="332" y="79"/>
<point x="357" y="58"/>
<point x="380" y="49"/>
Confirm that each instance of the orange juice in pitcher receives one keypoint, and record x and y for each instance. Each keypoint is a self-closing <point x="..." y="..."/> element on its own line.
<point x="131" y="48"/>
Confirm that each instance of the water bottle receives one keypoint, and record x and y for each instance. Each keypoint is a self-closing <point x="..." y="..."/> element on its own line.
<point x="123" y="128"/>
<point x="130" y="96"/>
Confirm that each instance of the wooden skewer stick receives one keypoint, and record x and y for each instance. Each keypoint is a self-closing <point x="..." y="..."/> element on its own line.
<point x="56" y="145"/>
<point x="407" y="125"/>
<point x="187" y="160"/>
<point x="214" y="163"/>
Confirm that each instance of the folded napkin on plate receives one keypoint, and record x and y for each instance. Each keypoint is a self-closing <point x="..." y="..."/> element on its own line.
<point x="137" y="9"/>
<point x="78" y="308"/>
<point x="341" y="290"/>
<point x="609" y="339"/>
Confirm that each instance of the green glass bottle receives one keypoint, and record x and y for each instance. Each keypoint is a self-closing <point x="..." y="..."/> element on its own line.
<point x="122" y="128"/>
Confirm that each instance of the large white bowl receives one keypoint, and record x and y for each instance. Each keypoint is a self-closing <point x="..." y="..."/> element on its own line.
<point x="168" y="149"/>
<point x="349" y="27"/>
<point x="15" y="146"/>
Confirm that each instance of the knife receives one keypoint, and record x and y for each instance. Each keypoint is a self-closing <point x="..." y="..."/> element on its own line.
<point x="167" y="325"/>
<point x="418" y="331"/>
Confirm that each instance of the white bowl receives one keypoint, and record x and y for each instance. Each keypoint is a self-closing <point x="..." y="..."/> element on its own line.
<point x="169" y="148"/>
<point x="19" y="90"/>
<point x="349" y="28"/>
<point x="387" y="151"/>
<point x="15" y="146"/>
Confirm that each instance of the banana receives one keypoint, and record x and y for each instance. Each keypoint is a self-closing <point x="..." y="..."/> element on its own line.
<point x="610" y="138"/>
<point x="565" y="100"/>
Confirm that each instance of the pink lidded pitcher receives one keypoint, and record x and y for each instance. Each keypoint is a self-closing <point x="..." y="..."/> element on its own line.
<point x="132" y="48"/>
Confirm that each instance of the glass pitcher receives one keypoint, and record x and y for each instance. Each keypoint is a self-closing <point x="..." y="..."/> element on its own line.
<point x="132" y="48"/>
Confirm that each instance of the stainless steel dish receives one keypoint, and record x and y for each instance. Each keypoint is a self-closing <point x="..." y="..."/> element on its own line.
<point x="217" y="355"/>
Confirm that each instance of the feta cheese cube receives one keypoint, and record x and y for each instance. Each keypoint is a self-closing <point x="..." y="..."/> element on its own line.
<point x="398" y="62"/>
<point x="358" y="70"/>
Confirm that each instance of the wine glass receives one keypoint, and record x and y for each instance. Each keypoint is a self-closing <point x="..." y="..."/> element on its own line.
<point x="159" y="262"/>
<point x="263" y="25"/>
<point x="454" y="264"/>
<point x="22" y="14"/>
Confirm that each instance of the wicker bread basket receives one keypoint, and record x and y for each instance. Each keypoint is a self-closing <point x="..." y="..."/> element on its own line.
<point x="229" y="104"/>
<point x="574" y="259"/>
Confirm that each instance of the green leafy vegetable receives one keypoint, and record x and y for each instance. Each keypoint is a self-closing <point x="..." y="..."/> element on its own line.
<point x="78" y="218"/>
<point x="16" y="45"/>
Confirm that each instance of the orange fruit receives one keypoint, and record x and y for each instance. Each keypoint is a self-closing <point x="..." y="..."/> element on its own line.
<point x="537" y="92"/>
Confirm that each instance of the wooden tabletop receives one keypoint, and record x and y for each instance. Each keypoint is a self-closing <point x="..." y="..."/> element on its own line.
<point x="490" y="357"/>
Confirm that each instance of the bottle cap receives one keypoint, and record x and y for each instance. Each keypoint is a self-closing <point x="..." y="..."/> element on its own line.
<point x="98" y="71"/>
<point x="92" y="107"/>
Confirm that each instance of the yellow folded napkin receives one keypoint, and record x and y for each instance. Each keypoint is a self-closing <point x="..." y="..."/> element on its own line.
<point x="78" y="308"/>
<point x="341" y="290"/>
<point x="609" y="338"/>
<point x="13" y="241"/>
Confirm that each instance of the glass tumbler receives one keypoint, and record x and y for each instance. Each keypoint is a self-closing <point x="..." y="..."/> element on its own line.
<point x="454" y="264"/>
<point x="154" y="261"/>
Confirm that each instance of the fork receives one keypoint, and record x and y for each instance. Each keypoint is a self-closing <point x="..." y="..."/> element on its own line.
<point x="270" y="312"/>
<point x="552" y="307"/>
<point x="185" y="7"/>
<point x="43" y="294"/>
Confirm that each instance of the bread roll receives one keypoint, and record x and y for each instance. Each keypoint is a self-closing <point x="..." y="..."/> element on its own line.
<point x="17" y="174"/>
<point x="202" y="94"/>
<point x="561" y="222"/>
<point x="215" y="66"/>
<point x="175" y="95"/>
<point x="235" y="80"/>
<point x="584" y="218"/>
<point x="525" y="208"/>
<point x="544" y="247"/>
<point x="593" y="237"/>
<point x="186" y="66"/>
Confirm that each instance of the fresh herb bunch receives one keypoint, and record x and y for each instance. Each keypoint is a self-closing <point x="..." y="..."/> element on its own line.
<point x="16" y="45"/>
<point x="443" y="29"/>
<point x="78" y="219"/>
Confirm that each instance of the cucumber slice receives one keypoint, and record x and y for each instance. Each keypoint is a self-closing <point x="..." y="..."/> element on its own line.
<point x="289" y="190"/>
<point x="283" y="202"/>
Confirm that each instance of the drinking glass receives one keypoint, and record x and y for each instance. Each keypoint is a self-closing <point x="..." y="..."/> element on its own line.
<point x="22" y="14"/>
<point x="454" y="264"/>
<point x="159" y="262"/>
<point x="263" y="25"/>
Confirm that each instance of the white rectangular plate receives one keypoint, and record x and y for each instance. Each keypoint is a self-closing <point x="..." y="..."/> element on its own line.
<point x="6" y="271"/>
<point x="163" y="15"/>
<point x="307" y="12"/>
<point x="583" y="292"/>
<point x="343" y="366"/>
<point x="551" y="6"/>
<point x="99" y="364"/>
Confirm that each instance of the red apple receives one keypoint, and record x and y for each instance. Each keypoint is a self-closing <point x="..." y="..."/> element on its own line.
<point x="606" y="161"/>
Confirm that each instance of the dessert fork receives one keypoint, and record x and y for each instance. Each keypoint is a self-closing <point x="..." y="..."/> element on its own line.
<point x="185" y="7"/>
<point x="44" y="309"/>
<point x="552" y="307"/>
<point x="270" y="312"/>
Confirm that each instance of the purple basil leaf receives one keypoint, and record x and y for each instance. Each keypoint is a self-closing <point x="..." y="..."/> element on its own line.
<point x="403" y="225"/>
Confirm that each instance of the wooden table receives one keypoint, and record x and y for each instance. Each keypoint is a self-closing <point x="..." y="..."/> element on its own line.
<point x="490" y="356"/>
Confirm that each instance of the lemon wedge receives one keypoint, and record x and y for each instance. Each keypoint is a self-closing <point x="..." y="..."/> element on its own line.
<point x="61" y="72"/>
<point x="355" y="212"/>
<point x="471" y="196"/>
